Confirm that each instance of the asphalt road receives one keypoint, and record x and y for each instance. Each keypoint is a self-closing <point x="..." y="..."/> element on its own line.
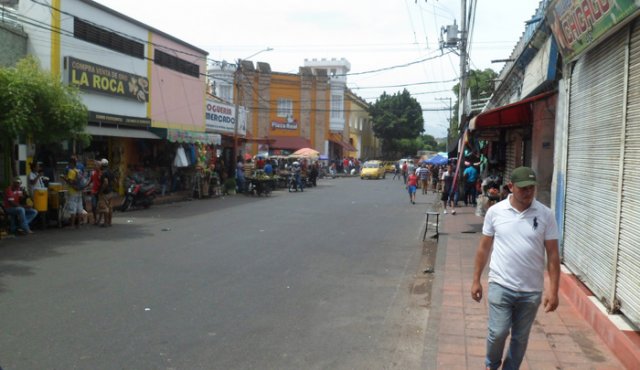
<point x="326" y="279"/>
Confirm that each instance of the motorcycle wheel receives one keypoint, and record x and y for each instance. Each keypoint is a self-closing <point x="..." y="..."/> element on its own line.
<point x="126" y="204"/>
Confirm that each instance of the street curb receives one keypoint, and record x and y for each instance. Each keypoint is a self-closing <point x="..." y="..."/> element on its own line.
<point x="614" y="331"/>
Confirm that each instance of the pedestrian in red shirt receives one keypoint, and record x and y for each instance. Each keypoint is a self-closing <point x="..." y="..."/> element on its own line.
<point x="412" y="184"/>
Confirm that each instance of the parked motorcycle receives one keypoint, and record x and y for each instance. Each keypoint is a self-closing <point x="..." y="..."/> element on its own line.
<point x="139" y="194"/>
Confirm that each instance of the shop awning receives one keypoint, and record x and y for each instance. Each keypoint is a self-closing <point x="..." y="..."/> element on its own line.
<point x="515" y="114"/>
<point x="188" y="137"/>
<point x="254" y="139"/>
<point x="337" y="139"/>
<point x="289" y="142"/>
<point x="120" y="132"/>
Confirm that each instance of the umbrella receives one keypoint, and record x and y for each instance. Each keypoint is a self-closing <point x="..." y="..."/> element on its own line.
<point x="437" y="160"/>
<point x="323" y="157"/>
<point x="306" y="152"/>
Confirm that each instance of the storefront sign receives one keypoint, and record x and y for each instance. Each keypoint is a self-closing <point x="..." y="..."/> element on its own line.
<point x="577" y="24"/>
<point x="115" y="119"/>
<point x="182" y="136"/>
<point x="220" y="117"/>
<point x="94" y="77"/>
<point x="289" y="124"/>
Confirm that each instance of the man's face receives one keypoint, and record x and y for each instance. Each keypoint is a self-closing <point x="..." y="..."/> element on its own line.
<point x="523" y="195"/>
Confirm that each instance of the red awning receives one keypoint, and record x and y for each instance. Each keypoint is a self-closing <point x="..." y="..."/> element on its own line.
<point x="289" y="142"/>
<point x="337" y="139"/>
<point x="515" y="114"/>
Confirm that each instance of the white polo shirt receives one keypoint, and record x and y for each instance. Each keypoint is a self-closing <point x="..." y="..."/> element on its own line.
<point x="518" y="256"/>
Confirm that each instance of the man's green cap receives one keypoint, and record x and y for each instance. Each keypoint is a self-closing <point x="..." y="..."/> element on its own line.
<point x="523" y="176"/>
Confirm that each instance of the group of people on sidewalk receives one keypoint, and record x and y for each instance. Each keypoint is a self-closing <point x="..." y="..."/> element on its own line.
<point x="18" y="201"/>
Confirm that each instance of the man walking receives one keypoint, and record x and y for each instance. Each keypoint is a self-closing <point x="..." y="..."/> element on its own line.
<point x="520" y="229"/>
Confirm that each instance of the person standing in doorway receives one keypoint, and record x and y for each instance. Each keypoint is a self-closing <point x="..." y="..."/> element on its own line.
<point x="470" y="175"/>
<point x="517" y="233"/>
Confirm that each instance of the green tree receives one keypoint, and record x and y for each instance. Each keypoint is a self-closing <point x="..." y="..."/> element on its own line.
<point x="36" y="104"/>
<point x="480" y="84"/>
<point x="397" y="120"/>
<point x="429" y="142"/>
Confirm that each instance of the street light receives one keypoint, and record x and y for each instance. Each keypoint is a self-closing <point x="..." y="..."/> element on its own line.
<point x="256" y="53"/>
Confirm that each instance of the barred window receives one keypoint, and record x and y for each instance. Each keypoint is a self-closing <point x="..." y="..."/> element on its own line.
<point x="337" y="107"/>
<point x="285" y="108"/>
<point x="90" y="33"/>
<point x="175" y="63"/>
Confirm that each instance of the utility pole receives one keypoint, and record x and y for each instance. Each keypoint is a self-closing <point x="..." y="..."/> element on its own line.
<point x="238" y="86"/>
<point x="462" y="94"/>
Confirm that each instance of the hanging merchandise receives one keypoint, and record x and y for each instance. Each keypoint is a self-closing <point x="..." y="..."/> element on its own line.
<point x="202" y="154"/>
<point x="192" y="154"/>
<point x="181" y="158"/>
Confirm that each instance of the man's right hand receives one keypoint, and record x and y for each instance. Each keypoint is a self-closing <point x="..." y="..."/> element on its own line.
<point x="476" y="291"/>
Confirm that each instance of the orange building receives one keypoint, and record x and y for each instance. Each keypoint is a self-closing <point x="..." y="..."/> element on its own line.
<point x="289" y="111"/>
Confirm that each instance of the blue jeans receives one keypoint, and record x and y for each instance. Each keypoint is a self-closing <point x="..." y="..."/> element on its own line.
<point x="24" y="217"/>
<point x="509" y="311"/>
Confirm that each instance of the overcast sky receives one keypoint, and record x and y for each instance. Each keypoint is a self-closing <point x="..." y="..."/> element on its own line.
<point x="370" y="34"/>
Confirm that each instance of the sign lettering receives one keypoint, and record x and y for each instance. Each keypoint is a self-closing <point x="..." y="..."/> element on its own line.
<point x="576" y="24"/>
<point x="94" y="77"/>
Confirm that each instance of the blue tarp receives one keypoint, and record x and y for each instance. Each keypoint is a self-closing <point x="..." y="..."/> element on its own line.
<point x="437" y="160"/>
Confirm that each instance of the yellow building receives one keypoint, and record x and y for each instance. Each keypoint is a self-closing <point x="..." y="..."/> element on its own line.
<point x="359" y="128"/>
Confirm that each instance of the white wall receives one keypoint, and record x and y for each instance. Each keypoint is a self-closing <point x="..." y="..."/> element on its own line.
<point x="40" y="46"/>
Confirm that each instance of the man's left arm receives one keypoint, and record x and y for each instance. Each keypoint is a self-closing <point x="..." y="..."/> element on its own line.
<point x="551" y="300"/>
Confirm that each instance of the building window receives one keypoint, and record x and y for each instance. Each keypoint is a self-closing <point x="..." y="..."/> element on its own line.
<point x="179" y="65"/>
<point x="88" y="32"/>
<point x="336" y="106"/>
<point x="224" y="92"/>
<point x="285" y="108"/>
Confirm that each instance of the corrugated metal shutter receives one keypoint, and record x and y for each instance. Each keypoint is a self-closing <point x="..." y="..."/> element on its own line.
<point x="594" y="142"/>
<point x="627" y="285"/>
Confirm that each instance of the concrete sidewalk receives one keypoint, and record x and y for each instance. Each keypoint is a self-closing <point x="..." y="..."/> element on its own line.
<point x="576" y="336"/>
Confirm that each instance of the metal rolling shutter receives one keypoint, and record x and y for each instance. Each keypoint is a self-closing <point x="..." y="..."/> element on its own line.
<point x="594" y="142"/>
<point x="627" y="288"/>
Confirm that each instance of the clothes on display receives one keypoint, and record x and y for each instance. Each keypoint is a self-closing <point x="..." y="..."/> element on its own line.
<point x="181" y="158"/>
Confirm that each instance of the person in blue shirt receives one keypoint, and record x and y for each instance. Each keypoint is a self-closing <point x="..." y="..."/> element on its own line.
<point x="268" y="168"/>
<point x="470" y="175"/>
